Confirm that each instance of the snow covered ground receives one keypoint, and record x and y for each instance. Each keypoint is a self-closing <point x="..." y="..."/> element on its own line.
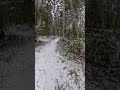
<point x="53" y="72"/>
<point x="17" y="63"/>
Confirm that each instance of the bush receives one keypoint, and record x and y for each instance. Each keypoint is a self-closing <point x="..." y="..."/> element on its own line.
<point x="72" y="48"/>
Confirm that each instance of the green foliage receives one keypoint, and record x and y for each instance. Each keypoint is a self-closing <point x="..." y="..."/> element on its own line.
<point x="41" y="32"/>
<point x="43" y="18"/>
<point x="52" y="20"/>
<point x="70" y="47"/>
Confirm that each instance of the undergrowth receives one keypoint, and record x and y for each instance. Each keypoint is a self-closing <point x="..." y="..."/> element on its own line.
<point x="72" y="48"/>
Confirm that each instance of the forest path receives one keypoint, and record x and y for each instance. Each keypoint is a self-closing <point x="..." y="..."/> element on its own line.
<point x="51" y="73"/>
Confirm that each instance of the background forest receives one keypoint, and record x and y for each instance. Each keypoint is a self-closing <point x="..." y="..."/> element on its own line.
<point x="102" y="34"/>
<point x="60" y="18"/>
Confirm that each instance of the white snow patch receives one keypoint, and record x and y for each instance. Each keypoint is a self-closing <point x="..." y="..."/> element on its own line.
<point x="51" y="73"/>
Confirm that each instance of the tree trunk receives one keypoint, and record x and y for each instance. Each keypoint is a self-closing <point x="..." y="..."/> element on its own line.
<point x="63" y="30"/>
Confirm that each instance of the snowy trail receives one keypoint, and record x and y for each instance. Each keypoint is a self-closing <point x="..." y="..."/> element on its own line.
<point x="50" y="72"/>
